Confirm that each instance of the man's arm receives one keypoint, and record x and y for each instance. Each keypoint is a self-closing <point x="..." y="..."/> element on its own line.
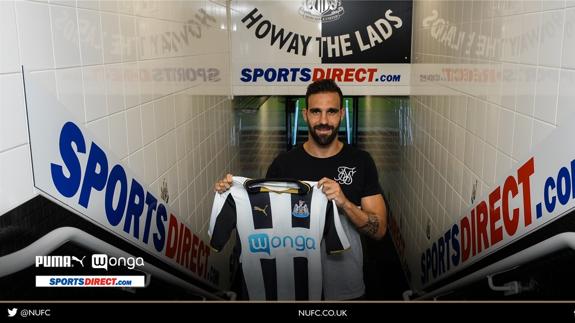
<point x="371" y="218"/>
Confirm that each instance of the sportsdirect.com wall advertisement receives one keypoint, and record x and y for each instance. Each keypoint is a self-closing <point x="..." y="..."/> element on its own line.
<point x="281" y="46"/>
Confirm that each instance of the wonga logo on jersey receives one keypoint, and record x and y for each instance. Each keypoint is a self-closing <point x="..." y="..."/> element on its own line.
<point x="261" y="242"/>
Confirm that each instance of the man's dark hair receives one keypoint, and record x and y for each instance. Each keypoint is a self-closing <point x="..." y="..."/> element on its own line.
<point x="325" y="85"/>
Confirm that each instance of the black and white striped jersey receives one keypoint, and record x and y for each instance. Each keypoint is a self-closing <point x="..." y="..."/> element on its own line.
<point x="280" y="225"/>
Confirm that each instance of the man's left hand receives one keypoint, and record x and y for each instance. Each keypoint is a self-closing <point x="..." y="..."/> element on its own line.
<point x="333" y="191"/>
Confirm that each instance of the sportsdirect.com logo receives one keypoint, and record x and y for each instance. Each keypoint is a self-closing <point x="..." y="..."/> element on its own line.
<point x="90" y="281"/>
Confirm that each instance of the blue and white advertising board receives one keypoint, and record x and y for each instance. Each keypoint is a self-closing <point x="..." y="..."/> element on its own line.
<point x="539" y="190"/>
<point x="71" y="167"/>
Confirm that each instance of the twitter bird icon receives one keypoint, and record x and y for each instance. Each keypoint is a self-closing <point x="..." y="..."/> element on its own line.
<point x="12" y="312"/>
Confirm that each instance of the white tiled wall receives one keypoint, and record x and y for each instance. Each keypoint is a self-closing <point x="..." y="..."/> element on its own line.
<point x="469" y="134"/>
<point x="150" y="79"/>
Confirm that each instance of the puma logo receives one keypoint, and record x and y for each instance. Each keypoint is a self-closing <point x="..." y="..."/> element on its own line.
<point x="257" y="208"/>
<point x="81" y="261"/>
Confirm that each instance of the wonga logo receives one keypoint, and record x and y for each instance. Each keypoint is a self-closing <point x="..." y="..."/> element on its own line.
<point x="261" y="242"/>
<point x="103" y="261"/>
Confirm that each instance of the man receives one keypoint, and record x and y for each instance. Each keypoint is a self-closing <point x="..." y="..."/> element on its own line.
<point x="346" y="175"/>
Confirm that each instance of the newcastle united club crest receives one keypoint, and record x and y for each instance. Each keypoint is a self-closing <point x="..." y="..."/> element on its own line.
<point x="321" y="10"/>
<point x="300" y="210"/>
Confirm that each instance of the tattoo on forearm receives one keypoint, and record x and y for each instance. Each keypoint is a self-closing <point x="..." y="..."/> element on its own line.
<point x="371" y="227"/>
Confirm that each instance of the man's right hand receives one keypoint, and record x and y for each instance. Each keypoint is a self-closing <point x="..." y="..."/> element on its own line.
<point x="224" y="184"/>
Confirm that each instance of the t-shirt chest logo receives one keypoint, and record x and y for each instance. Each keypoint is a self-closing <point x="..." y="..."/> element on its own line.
<point x="345" y="175"/>
<point x="300" y="210"/>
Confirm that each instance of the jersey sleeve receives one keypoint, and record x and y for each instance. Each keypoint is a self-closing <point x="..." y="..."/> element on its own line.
<point x="371" y="178"/>
<point x="222" y="220"/>
<point x="334" y="235"/>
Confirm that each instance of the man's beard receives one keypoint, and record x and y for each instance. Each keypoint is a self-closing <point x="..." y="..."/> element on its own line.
<point x="324" y="140"/>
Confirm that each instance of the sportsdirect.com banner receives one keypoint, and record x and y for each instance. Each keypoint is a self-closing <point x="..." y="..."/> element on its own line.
<point x="74" y="169"/>
<point x="538" y="191"/>
<point x="281" y="46"/>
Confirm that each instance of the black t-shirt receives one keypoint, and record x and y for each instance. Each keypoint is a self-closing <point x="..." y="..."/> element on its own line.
<point x="352" y="168"/>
